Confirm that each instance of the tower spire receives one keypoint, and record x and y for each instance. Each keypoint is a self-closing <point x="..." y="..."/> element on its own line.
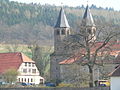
<point x="88" y="25"/>
<point x="87" y="17"/>
<point x="62" y="21"/>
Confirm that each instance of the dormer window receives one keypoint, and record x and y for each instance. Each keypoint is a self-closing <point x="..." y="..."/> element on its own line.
<point x="63" y="31"/>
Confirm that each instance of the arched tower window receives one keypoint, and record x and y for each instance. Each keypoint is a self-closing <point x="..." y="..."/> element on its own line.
<point x="58" y="32"/>
<point x="89" y="31"/>
<point x="68" y="32"/>
<point x="63" y="31"/>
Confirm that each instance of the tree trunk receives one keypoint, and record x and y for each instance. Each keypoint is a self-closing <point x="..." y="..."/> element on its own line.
<point x="91" y="81"/>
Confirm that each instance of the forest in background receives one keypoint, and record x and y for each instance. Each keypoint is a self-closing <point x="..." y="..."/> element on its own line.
<point x="29" y="23"/>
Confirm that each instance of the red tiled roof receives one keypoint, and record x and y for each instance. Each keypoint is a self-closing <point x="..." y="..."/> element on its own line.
<point x="71" y="60"/>
<point x="115" y="50"/>
<point x="12" y="60"/>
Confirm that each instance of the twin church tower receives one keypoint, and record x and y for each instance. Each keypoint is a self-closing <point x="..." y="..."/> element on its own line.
<point x="62" y="31"/>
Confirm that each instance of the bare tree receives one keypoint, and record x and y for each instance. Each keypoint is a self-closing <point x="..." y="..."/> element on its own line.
<point x="90" y="49"/>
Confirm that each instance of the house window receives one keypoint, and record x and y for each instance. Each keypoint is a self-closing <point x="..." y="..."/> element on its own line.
<point x="29" y="64"/>
<point x="29" y="70"/>
<point x="22" y="79"/>
<point x="41" y="81"/>
<point x="25" y="64"/>
<point x="31" y="80"/>
<point x="19" y="79"/>
<point x="28" y="80"/>
<point x="25" y="70"/>
<point x="33" y="70"/>
<point x="0" y="77"/>
<point x="33" y="64"/>
<point x="63" y="32"/>
<point x="25" y="79"/>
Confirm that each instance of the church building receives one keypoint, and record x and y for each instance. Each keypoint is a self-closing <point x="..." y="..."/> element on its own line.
<point x="61" y="62"/>
<point x="61" y="32"/>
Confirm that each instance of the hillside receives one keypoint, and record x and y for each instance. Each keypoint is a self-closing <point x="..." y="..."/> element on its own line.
<point x="31" y="23"/>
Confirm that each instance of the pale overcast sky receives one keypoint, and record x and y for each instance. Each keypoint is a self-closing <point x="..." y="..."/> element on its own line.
<point x="103" y="3"/>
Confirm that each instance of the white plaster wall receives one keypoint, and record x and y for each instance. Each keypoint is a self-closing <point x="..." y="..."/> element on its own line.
<point x="29" y="75"/>
<point x="22" y="66"/>
<point x="115" y="83"/>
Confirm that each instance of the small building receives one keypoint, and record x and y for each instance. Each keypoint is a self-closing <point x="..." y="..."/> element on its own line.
<point x="115" y="79"/>
<point x="28" y="72"/>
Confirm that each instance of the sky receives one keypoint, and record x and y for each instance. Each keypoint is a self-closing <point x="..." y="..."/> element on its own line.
<point x="103" y="3"/>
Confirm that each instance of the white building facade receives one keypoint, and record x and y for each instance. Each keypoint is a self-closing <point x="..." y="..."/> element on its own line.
<point x="29" y="74"/>
<point x="115" y="83"/>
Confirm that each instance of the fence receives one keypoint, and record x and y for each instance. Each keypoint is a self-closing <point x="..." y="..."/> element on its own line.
<point x="63" y="88"/>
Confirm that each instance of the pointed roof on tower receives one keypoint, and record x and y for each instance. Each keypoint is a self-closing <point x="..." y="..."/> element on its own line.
<point x="62" y="20"/>
<point x="87" y="18"/>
